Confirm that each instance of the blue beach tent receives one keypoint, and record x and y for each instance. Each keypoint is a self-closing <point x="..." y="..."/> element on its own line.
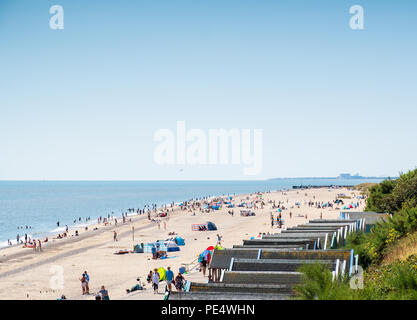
<point x="180" y="241"/>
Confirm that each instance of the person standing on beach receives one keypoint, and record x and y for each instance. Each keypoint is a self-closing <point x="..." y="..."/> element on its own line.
<point x="34" y="245"/>
<point x="170" y="278"/>
<point x="87" y="280"/>
<point x="219" y="240"/>
<point x="155" y="281"/>
<point x="40" y="245"/>
<point x="203" y="266"/>
<point x="179" y="282"/>
<point x="115" y="236"/>
<point x="83" y="284"/>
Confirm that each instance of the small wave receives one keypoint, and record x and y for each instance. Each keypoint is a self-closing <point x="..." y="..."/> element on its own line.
<point x="58" y="230"/>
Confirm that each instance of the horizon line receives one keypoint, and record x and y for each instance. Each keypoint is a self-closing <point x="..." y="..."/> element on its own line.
<point x="176" y="180"/>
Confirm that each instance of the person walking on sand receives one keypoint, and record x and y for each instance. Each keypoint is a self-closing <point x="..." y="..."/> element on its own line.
<point x="170" y="278"/>
<point x="219" y="240"/>
<point x="115" y="236"/>
<point x="155" y="281"/>
<point x="179" y="282"/>
<point x="34" y="245"/>
<point x="203" y="266"/>
<point x="40" y="245"/>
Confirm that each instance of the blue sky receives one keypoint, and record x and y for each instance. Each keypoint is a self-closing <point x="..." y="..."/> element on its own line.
<point x="84" y="102"/>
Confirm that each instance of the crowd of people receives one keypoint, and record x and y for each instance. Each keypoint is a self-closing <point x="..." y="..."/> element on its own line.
<point x="154" y="278"/>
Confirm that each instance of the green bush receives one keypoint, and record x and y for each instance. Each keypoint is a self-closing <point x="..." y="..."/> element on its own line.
<point x="391" y="195"/>
<point x="396" y="281"/>
<point x="317" y="284"/>
<point x="371" y="247"/>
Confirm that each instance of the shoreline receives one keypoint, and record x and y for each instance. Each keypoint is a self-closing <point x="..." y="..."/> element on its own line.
<point x="40" y="231"/>
<point x="26" y="274"/>
<point x="80" y="227"/>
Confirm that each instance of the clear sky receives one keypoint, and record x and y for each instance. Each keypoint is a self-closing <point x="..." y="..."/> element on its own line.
<point x="84" y="102"/>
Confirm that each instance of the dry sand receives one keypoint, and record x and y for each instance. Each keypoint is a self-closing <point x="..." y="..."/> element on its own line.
<point x="25" y="274"/>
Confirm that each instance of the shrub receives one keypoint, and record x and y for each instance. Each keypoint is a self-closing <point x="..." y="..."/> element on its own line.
<point x="317" y="284"/>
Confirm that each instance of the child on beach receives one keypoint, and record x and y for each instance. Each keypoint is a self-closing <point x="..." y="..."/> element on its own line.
<point x="219" y="240"/>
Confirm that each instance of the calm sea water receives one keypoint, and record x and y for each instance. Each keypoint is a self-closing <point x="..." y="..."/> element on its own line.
<point x="40" y="204"/>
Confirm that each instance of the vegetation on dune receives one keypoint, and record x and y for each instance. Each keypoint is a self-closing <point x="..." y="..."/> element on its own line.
<point x="394" y="281"/>
<point x="388" y="252"/>
<point x="364" y="188"/>
<point x="392" y="195"/>
<point x="317" y="284"/>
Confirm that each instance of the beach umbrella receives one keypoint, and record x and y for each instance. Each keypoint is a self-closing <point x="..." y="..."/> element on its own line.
<point x="206" y="255"/>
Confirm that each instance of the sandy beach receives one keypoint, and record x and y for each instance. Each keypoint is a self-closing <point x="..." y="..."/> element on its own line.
<point x="26" y="274"/>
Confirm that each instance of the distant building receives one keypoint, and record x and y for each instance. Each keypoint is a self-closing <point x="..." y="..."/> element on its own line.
<point x="344" y="175"/>
<point x="349" y="176"/>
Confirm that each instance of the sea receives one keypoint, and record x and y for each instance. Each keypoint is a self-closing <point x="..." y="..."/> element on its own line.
<point x="39" y="205"/>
